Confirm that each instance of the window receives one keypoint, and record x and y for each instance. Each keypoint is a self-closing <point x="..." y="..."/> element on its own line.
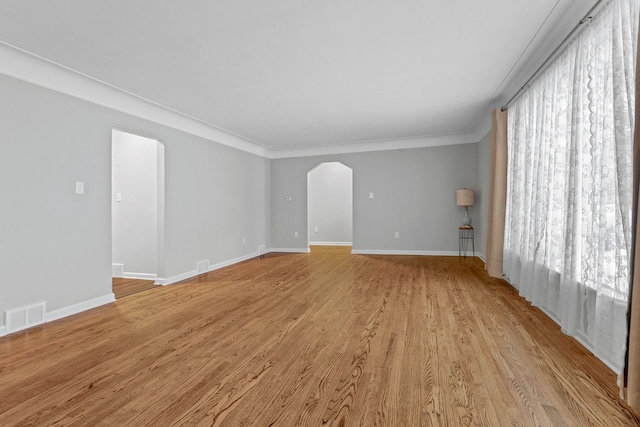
<point x="568" y="219"/>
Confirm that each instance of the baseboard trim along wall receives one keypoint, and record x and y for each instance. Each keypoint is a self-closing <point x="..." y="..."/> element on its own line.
<point x="179" y="277"/>
<point x="331" y="243"/>
<point x="291" y="250"/>
<point x="78" y="308"/>
<point x="117" y="270"/>
<point x="141" y="276"/>
<point x="262" y="250"/>
<point x="233" y="261"/>
<point x="402" y="252"/>
<point x="193" y="273"/>
<point x="63" y="312"/>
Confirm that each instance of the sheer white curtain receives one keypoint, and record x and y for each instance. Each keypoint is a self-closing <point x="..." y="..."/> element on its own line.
<point x="568" y="214"/>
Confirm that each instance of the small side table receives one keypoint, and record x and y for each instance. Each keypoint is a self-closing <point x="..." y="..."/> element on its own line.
<point x="465" y="235"/>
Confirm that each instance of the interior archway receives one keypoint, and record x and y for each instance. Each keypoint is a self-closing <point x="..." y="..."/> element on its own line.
<point x="330" y="205"/>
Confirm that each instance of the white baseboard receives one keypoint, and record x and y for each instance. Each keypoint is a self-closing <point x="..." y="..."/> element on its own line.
<point x="402" y="252"/>
<point x="141" y="276"/>
<point x="331" y="243"/>
<point x="233" y="261"/>
<point x="406" y="252"/>
<point x="481" y="256"/>
<point x="291" y="250"/>
<point x="78" y="308"/>
<point x="65" y="311"/>
<point x="193" y="273"/>
<point x="180" y="277"/>
<point x="117" y="270"/>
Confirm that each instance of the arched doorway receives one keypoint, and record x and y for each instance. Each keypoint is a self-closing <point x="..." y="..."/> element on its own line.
<point x="330" y="205"/>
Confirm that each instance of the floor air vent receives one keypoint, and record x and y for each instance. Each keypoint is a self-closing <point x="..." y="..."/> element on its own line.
<point x="24" y="317"/>
<point x="203" y="266"/>
<point x="117" y="270"/>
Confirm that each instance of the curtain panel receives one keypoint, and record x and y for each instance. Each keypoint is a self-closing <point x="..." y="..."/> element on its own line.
<point x="568" y="209"/>
<point x="631" y="378"/>
<point x="497" y="194"/>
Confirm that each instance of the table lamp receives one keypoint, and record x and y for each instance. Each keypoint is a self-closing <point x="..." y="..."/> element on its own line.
<point x="465" y="197"/>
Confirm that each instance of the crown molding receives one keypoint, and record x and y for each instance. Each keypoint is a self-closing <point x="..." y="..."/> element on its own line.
<point x="25" y="66"/>
<point x="382" y="145"/>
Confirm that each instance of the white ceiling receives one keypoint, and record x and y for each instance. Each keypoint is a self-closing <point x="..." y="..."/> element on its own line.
<point x="295" y="74"/>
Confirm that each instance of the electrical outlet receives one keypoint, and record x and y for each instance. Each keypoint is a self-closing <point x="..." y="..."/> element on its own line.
<point x="397" y="234"/>
<point x="315" y="229"/>
<point x="295" y="234"/>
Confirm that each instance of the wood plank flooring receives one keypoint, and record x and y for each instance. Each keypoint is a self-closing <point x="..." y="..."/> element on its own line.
<point x="124" y="287"/>
<point x="326" y="338"/>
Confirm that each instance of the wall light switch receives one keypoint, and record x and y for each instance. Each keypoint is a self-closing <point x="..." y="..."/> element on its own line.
<point x="79" y="187"/>
<point x="118" y="197"/>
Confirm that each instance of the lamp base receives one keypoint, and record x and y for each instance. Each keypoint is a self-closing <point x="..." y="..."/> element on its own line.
<point x="466" y="220"/>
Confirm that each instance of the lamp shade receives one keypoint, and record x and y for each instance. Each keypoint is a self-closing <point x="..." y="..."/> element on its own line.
<point x="464" y="197"/>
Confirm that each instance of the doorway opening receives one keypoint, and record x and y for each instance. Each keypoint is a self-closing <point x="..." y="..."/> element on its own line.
<point x="137" y="212"/>
<point x="330" y="205"/>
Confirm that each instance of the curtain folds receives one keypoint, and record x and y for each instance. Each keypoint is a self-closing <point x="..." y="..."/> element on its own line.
<point x="497" y="194"/>
<point x="568" y="210"/>
<point x="632" y="365"/>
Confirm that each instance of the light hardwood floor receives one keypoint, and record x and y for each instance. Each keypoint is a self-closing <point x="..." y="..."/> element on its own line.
<point x="326" y="338"/>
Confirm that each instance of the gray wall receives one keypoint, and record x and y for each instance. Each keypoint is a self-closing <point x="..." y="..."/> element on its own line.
<point x="55" y="245"/>
<point x="135" y="217"/>
<point x="414" y="194"/>
<point x="482" y="194"/>
<point x="330" y="190"/>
